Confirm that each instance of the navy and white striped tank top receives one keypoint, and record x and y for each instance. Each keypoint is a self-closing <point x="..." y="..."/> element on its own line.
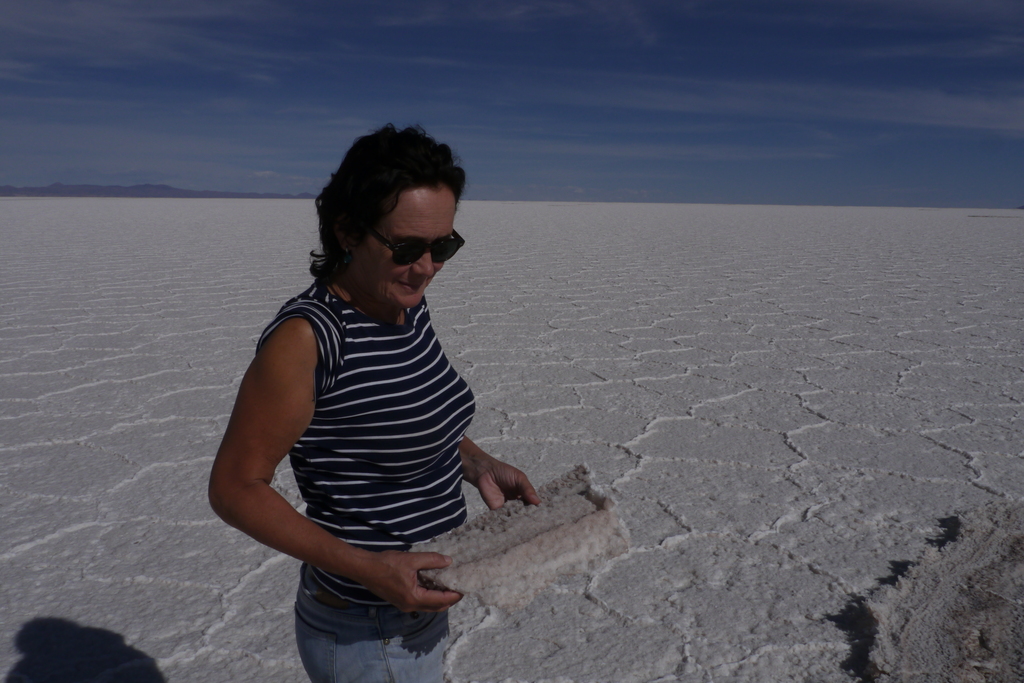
<point x="379" y="464"/>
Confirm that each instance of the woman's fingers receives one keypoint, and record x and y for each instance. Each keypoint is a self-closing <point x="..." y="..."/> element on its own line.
<point x="504" y="482"/>
<point x="398" y="581"/>
<point x="429" y="560"/>
<point x="526" y="490"/>
<point x="491" y="493"/>
<point x="432" y="601"/>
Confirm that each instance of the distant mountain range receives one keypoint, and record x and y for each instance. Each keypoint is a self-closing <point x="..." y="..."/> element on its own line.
<point x="60" y="190"/>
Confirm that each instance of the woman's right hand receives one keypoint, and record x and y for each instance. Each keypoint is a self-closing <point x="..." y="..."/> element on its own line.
<point x="393" y="576"/>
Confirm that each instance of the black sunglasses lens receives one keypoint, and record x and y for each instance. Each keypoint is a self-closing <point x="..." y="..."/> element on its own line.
<point x="445" y="250"/>
<point x="404" y="254"/>
<point x="409" y="252"/>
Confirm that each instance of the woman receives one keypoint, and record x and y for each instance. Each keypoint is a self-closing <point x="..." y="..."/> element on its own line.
<point x="350" y="381"/>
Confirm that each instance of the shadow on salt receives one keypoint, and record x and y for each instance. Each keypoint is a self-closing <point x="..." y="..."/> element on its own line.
<point x="60" y="650"/>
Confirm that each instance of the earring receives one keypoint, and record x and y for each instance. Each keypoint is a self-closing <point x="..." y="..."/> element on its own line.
<point x="346" y="257"/>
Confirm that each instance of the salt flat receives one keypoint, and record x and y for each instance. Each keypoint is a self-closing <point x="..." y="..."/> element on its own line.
<point x="788" y="403"/>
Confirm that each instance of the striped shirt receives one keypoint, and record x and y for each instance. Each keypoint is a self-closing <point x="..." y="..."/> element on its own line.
<point x="379" y="465"/>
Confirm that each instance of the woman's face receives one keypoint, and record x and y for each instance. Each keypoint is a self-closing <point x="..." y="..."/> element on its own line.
<point x="374" y="283"/>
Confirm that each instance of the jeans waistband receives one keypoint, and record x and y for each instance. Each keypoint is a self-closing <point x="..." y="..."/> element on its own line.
<point x="320" y="593"/>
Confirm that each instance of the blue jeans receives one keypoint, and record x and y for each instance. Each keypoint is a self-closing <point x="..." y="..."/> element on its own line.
<point x="367" y="644"/>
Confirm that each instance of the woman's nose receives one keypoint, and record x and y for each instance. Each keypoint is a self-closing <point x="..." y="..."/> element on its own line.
<point x="425" y="265"/>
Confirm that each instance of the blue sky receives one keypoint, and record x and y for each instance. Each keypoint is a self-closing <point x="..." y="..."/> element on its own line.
<point x="848" y="102"/>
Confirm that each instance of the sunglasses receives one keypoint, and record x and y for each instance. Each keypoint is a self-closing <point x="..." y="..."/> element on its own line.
<point x="405" y="253"/>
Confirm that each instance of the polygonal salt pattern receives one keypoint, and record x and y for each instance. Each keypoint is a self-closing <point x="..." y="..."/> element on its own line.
<point x="786" y="402"/>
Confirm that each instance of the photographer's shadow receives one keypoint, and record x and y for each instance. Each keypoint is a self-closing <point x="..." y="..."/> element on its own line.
<point x="55" y="650"/>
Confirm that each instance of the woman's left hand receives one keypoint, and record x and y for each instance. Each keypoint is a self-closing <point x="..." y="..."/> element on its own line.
<point x="497" y="481"/>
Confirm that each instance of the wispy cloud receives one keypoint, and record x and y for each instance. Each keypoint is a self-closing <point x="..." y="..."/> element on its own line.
<point x="272" y="91"/>
<point x="631" y="20"/>
<point x="260" y="38"/>
<point x="989" y="108"/>
<point x="949" y="51"/>
<point x="119" y="33"/>
<point x="1003" y="16"/>
<point x="13" y="70"/>
<point x="621" y="144"/>
<point x="642" y="16"/>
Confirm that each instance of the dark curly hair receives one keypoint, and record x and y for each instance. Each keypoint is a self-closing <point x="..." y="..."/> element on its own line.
<point x="376" y="170"/>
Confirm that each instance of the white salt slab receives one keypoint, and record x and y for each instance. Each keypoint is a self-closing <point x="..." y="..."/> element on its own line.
<point x="506" y="556"/>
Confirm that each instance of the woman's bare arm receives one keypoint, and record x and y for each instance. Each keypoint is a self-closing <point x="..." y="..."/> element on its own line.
<point x="273" y="408"/>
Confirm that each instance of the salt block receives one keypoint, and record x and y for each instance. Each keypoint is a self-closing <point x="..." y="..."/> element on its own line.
<point x="506" y="556"/>
<point x="958" y="616"/>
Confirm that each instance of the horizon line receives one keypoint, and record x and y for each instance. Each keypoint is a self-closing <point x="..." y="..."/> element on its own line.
<point x="164" y="191"/>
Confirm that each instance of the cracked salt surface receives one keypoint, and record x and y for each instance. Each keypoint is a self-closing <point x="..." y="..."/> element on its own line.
<point x="785" y="401"/>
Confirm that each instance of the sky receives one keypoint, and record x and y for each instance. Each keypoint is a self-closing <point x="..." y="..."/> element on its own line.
<point x="827" y="102"/>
